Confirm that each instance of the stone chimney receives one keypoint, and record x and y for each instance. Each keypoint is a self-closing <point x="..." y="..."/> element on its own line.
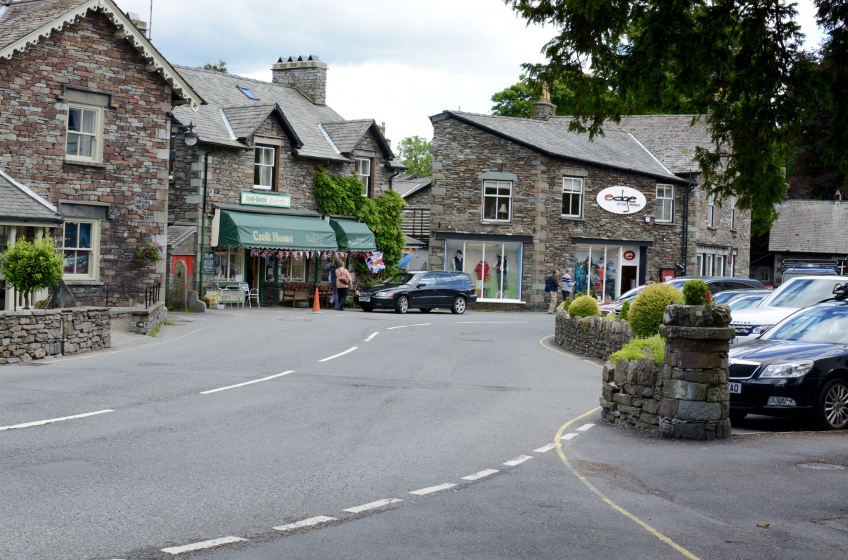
<point x="543" y="109"/>
<point x="138" y="22"/>
<point x="306" y="73"/>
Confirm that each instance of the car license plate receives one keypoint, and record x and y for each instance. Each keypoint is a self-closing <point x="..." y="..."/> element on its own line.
<point x="364" y="298"/>
<point x="735" y="388"/>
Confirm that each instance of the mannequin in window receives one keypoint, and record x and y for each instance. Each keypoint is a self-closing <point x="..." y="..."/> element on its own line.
<point x="502" y="270"/>
<point x="482" y="270"/>
<point x="457" y="262"/>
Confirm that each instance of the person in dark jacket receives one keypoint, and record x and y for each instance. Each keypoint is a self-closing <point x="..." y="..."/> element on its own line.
<point x="332" y="278"/>
<point x="552" y="287"/>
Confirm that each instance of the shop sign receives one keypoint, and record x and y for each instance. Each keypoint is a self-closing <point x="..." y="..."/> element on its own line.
<point x="275" y="200"/>
<point x="629" y="255"/>
<point x="621" y="200"/>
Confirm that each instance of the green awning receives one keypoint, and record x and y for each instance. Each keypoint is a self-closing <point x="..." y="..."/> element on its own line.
<point x="353" y="236"/>
<point x="274" y="231"/>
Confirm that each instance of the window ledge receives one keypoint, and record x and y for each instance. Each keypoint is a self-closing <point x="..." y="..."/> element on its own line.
<point x="496" y="222"/>
<point x="84" y="163"/>
<point x="84" y="282"/>
<point x="575" y="218"/>
<point x="665" y="223"/>
<point x="712" y="228"/>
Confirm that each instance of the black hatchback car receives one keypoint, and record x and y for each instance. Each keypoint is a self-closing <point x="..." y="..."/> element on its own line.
<point x="799" y="366"/>
<point x="425" y="290"/>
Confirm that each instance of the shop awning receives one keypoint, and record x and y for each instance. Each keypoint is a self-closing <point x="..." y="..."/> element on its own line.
<point x="353" y="235"/>
<point x="273" y="231"/>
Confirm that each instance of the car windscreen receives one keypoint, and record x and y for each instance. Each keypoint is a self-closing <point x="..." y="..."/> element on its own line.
<point x="820" y="324"/>
<point x="800" y="292"/>
<point x="746" y="302"/>
<point x="399" y="279"/>
<point x="631" y="295"/>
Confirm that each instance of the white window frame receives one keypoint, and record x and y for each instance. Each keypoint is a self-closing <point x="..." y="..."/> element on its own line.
<point x="733" y="214"/>
<point x="365" y="178"/>
<point x="664" y="202"/>
<point x="496" y="185"/>
<point x="97" y="137"/>
<point x="571" y="181"/>
<point x="93" y="251"/>
<point x="273" y="166"/>
<point x="710" y="212"/>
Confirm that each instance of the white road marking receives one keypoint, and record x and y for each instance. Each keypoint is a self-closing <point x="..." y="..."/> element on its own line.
<point x="337" y="355"/>
<point x="372" y="505"/>
<point x="584" y="427"/>
<point x="42" y="422"/>
<point x="372" y="336"/>
<point x="432" y="489"/>
<point x="201" y="545"/>
<point x="544" y="449"/>
<point x="400" y="327"/>
<point x="247" y="383"/>
<point x="489" y="322"/>
<point x="567" y="437"/>
<point x="481" y="474"/>
<point x="306" y="523"/>
<point x="420" y="324"/>
<point x="518" y="460"/>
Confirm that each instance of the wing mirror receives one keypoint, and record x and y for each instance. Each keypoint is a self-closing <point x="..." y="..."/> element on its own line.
<point x="421" y="285"/>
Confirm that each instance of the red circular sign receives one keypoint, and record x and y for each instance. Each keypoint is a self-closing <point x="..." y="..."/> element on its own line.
<point x="629" y="255"/>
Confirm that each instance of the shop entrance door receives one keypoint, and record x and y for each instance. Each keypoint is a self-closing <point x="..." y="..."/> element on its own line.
<point x="629" y="278"/>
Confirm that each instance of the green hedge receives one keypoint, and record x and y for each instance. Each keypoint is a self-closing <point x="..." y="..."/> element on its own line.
<point x="584" y="306"/>
<point x="646" y="314"/>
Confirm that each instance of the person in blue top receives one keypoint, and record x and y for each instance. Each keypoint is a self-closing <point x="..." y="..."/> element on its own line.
<point x="567" y="284"/>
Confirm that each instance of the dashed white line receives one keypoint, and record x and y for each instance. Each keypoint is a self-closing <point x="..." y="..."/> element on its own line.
<point x="42" y="422"/>
<point x="420" y="324"/>
<point x="372" y="505"/>
<point x="518" y="460"/>
<point x="432" y="489"/>
<point x="481" y="474"/>
<point x="246" y="383"/>
<point x="544" y="449"/>
<point x="341" y="354"/>
<point x="201" y="545"/>
<point x="569" y="436"/>
<point x="306" y="523"/>
<point x="399" y="327"/>
<point x="372" y="336"/>
<point x="584" y="427"/>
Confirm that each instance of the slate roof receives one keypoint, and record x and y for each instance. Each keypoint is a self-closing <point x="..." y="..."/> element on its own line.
<point x="23" y="17"/>
<point x="618" y="150"/>
<point x="178" y="234"/>
<point x="669" y="137"/>
<point x="347" y="134"/>
<point x="810" y="226"/>
<point x="406" y="185"/>
<point x="223" y="97"/>
<point x="18" y="202"/>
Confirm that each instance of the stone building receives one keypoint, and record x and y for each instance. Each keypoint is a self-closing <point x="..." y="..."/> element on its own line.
<point x="513" y="198"/>
<point x="255" y="148"/>
<point x="415" y="190"/>
<point x="85" y="103"/>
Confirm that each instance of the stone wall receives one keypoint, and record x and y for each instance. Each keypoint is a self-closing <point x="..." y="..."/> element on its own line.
<point x="631" y="393"/>
<point x="34" y="334"/>
<point x="590" y="336"/>
<point x="720" y="237"/>
<point x="143" y="321"/>
<point x="33" y="123"/>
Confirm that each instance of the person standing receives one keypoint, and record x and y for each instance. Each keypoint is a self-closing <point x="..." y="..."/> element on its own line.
<point x="342" y="284"/>
<point x="332" y="279"/>
<point x="552" y="287"/>
<point x="567" y="285"/>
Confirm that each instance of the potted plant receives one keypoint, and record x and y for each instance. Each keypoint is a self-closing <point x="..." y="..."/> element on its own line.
<point x="30" y="267"/>
<point x="212" y="301"/>
<point x="150" y="252"/>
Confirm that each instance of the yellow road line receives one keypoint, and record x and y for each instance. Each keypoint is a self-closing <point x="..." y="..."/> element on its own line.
<point x="609" y="502"/>
<point x="98" y="354"/>
<point x="542" y="342"/>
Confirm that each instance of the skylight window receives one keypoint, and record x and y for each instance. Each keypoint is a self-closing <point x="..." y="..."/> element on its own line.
<point x="248" y="93"/>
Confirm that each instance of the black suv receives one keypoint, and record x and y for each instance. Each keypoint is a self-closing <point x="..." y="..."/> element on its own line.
<point x="425" y="289"/>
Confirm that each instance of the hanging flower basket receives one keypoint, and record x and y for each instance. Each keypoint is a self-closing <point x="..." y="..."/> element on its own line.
<point x="150" y="252"/>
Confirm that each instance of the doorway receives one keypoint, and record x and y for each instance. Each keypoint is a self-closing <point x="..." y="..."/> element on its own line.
<point x="629" y="278"/>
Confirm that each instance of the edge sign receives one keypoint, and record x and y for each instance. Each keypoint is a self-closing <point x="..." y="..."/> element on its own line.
<point x="621" y="200"/>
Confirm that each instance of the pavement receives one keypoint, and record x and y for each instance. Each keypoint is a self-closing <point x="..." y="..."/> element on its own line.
<point x="231" y="423"/>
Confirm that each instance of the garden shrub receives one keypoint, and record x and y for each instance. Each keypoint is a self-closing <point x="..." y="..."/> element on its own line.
<point x="696" y="292"/>
<point x="646" y="314"/>
<point x="584" y="306"/>
<point x="625" y="308"/>
<point x="633" y="350"/>
<point x="566" y="304"/>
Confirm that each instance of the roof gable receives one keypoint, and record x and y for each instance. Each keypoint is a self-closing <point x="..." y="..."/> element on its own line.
<point x="245" y="120"/>
<point x="20" y="202"/>
<point x="346" y="135"/>
<point x="26" y="23"/>
<point x="810" y="226"/>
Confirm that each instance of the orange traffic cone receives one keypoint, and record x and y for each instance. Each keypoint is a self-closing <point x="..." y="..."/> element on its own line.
<point x="316" y="304"/>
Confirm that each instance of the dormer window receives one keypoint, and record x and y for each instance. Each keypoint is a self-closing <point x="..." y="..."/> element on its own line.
<point x="248" y="93"/>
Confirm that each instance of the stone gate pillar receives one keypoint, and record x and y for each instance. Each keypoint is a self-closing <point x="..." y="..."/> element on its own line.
<point x="695" y="399"/>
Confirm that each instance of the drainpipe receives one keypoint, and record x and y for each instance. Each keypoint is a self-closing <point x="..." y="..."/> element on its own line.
<point x="203" y="221"/>
<point x="391" y="179"/>
<point x="685" y="249"/>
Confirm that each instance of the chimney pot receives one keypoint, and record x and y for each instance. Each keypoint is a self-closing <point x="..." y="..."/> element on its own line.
<point x="543" y="109"/>
<point x="308" y="76"/>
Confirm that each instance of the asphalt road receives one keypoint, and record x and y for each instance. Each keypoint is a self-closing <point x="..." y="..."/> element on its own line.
<point x="231" y="423"/>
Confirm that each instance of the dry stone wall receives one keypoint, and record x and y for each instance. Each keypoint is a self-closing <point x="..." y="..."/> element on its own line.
<point x="34" y="334"/>
<point x="591" y="336"/>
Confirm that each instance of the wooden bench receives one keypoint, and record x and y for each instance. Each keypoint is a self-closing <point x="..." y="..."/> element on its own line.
<point x="297" y="291"/>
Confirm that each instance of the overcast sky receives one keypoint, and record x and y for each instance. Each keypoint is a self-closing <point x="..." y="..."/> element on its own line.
<point x="396" y="61"/>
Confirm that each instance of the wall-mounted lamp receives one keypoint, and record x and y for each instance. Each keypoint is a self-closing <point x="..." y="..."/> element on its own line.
<point x="191" y="136"/>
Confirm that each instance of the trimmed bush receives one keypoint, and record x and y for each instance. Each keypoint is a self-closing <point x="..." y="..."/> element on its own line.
<point x="634" y="350"/>
<point x="625" y="308"/>
<point x="566" y="304"/>
<point x="646" y="314"/>
<point x="584" y="306"/>
<point x="696" y="292"/>
<point x="578" y="294"/>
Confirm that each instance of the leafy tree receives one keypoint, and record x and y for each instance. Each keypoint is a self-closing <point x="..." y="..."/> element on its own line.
<point x="29" y="267"/>
<point x="738" y="61"/>
<point x="221" y="66"/>
<point x="414" y="152"/>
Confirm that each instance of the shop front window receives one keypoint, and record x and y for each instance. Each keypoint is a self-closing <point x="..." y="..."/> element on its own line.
<point x="495" y="267"/>
<point x="605" y="271"/>
<point x="228" y="264"/>
<point x="291" y="269"/>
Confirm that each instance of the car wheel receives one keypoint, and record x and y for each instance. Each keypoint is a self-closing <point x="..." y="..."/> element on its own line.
<point x="458" y="306"/>
<point x="368" y="309"/>
<point x="425" y="310"/>
<point x="402" y="305"/>
<point x="736" y="415"/>
<point x="832" y="408"/>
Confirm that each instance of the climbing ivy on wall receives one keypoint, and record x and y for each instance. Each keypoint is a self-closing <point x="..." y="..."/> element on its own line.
<point x="382" y="215"/>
